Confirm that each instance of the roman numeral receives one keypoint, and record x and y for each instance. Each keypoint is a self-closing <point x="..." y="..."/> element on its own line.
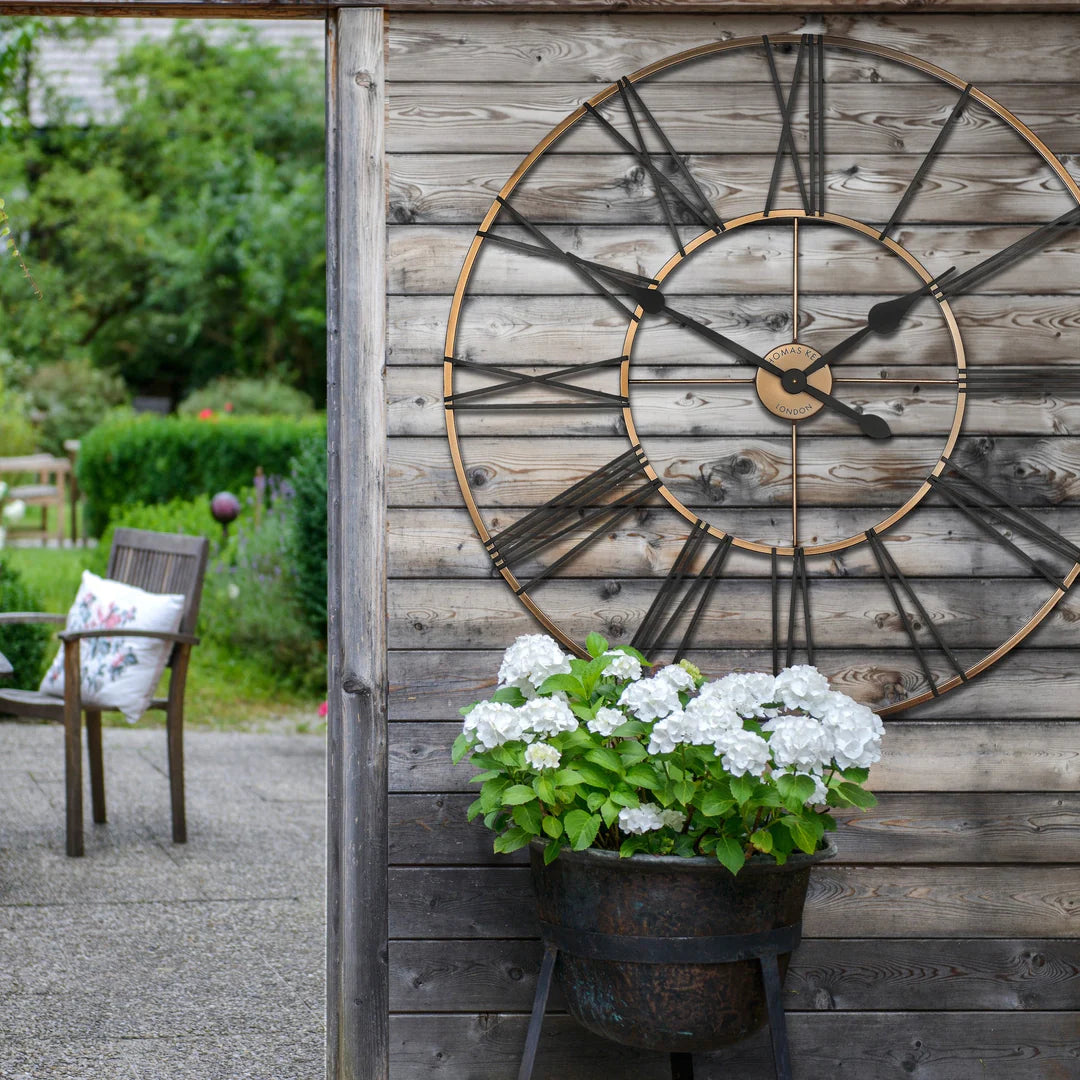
<point x="669" y="607"/>
<point x="1058" y="379"/>
<point x="676" y="203"/>
<point x="594" y="274"/>
<point x="583" y="397"/>
<point x="920" y="173"/>
<point x="893" y="579"/>
<point x="983" y="506"/>
<point x="811" y="187"/>
<point x="799" y="590"/>
<point x="573" y="510"/>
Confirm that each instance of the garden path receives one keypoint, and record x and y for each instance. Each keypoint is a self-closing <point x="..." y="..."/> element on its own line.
<point x="146" y="960"/>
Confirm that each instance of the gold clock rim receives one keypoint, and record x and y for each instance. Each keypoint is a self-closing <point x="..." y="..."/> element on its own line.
<point x="923" y="489"/>
<point x="835" y="41"/>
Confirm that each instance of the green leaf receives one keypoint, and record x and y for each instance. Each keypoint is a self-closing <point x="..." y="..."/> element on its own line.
<point x="631" y="752"/>
<point x="762" y="839"/>
<point x="717" y="802"/>
<point x="511" y="840"/>
<point x="460" y="748"/>
<point x="484" y="777"/>
<point x="684" y="792"/>
<point x="610" y="812"/>
<point x="491" y="793"/>
<point x="730" y="853"/>
<point x="509" y="695"/>
<point x="606" y="759"/>
<point x="631" y="845"/>
<point x="517" y="794"/>
<point x="545" y="789"/>
<point x="593" y="775"/>
<point x="644" y="776"/>
<point x="581" y="828"/>
<point x="552" y="826"/>
<point x="551" y="852"/>
<point x="596" y="644"/>
<point x="856" y="776"/>
<point x="570" y="684"/>
<point x="625" y="797"/>
<point x="527" y="817"/>
<point x="630" y="729"/>
<point x="742" y="788"/>
<point x="797" y="789"/>
<point x="595" y="799"/>
<point x="568" y="778"/>
<point x="475" y="808"/>
<point x="855" y="795"/>
<point x="805" y="831"/>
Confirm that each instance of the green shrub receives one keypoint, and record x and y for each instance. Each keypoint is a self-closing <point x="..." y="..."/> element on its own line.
<point x="153" y="459"/>
<point x="17" y="434"/>
<point x="308" y="533"/>
<point x="71" y="396"/>
<point x="25" y="645"/>
<point x="248" y="397"/>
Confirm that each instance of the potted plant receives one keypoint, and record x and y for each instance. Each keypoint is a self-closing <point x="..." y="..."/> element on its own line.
<point x="660" y="807"/>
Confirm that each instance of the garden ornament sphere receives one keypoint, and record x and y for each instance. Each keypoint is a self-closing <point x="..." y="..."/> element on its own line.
<point x="225" y="507"/>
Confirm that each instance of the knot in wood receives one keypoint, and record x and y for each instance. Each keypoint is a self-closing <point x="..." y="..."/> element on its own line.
<point x="357" y="687"/>
<point x="363" y="79"/>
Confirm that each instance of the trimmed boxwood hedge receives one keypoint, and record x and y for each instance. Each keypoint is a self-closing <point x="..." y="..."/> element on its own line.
<point x="152" y="459"/>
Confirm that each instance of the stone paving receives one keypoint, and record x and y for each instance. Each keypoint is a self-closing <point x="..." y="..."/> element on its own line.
<point x="147" y="960"/>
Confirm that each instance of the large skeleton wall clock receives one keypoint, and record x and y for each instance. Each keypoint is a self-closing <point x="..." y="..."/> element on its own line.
<point x="784" y="396"/>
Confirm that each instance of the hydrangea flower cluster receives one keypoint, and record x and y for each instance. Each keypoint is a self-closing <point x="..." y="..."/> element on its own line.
<point x="610" y="752"/>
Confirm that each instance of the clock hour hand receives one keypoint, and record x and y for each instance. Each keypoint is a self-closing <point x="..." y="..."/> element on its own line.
<point x="883" y="318"/>
<point x="794" y="381"/>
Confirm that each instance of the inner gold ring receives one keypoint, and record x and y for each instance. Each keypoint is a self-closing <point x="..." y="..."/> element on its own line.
<point x="893" y="247"/>
<point x="794" y="356"/>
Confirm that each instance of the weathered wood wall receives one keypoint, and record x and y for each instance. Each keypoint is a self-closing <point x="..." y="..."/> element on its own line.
<point x="942" y="945"/>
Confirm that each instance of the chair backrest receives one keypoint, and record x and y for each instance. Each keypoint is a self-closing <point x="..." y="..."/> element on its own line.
<point x="161" y="563"/>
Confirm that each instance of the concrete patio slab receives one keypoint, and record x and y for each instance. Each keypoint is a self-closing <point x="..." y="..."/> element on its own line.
<point x="146" y="959"/>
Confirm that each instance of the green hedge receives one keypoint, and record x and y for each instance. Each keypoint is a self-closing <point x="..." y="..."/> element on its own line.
<point x="309" y="533"/>
<point x="153" y="459"/>
<point x="25" y="644"/>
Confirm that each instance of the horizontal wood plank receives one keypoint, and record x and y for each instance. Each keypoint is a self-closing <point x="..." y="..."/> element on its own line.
<point x="550" y="329"/>
<point x="444" y="544"/>
<point x="843" y="901"/>
<point x="426" y="259"/>
<point x="860" y="118"/>
<point x="1008" y="755"/>
<point x="574" y="48"/>
<point x="456" y="188"/>
<point x="872" y="1046"/>
<point x="824" y="976"/>
<point x="903" y="828"/>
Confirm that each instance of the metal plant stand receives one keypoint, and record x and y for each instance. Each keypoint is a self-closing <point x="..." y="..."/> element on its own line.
<point x="764" y="947"/>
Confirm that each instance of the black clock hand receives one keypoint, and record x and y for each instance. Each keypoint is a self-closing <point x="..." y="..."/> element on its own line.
<point x="883" y="318"/>
<point x="794" y="381"/>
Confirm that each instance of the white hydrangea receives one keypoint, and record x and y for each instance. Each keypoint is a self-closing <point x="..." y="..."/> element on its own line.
<point x="707" y="716"/>
<point x="640" y="819"/>
<point x="742" y="752"/>
<point x="852" y="732"/>
<point x="548" y="715"/>
<point x="673" y="819"/>
<point x="798" y="740"/>
<point x="494" y="723"/>
<point x="650" y="699"/>
<point x="623" y="666"/>
<point x="676" y="676"/>
<point x="802" y="687"/>
<point x="542" y="756"/>
<point x="530" y="660"/>
<point x="821" y="793"/>
<point x="745" y="692"/>
<point x="668" y="733"/>
<point x="606" y="721"/>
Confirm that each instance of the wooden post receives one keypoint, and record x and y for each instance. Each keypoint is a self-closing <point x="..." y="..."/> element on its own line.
<point x="357" y="991"/>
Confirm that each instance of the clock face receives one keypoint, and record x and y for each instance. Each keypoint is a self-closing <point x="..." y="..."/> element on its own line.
<point x="780" y="389"/>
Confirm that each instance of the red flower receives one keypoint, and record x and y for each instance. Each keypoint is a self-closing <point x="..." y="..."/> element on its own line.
<point x="206" y="414"/>
<point x="323" y="709"/>
<point x="228" y="406"/>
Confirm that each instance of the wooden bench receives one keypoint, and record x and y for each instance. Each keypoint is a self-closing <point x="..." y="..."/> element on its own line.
<point x="52" y="476"/>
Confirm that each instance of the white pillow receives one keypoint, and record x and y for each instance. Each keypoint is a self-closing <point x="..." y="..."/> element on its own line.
<point x="117" y="672"/>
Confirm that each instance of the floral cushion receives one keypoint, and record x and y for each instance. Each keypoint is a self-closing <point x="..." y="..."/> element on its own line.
<point x="117" y="672"/>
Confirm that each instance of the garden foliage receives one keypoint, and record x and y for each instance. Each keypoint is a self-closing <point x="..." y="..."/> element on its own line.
<point x="152" y="459"/>
<point x="247" y="397"/>
<point x="308" y="549"/>
<point x="25" y="645"/>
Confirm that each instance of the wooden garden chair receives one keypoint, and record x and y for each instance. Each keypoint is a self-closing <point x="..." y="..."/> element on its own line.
<point x="158" y="563"/>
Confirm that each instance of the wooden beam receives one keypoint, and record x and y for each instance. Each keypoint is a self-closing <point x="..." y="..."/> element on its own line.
<point x="356" y="930"/>
<point x="317" y="9"/>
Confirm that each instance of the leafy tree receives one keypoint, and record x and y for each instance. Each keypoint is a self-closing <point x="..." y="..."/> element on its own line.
<point x="182" y="240"/>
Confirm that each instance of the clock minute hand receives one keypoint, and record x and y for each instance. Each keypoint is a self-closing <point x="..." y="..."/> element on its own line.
<point x="883" y="318"/>
<point x="873" y="426"/>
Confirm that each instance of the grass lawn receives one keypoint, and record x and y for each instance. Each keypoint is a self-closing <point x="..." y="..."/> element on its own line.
<point x="224" y="690"/>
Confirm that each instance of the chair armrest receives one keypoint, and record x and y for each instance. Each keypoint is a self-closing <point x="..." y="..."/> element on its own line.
<point x="10" y="618"/>
<point x="123" y="631"/>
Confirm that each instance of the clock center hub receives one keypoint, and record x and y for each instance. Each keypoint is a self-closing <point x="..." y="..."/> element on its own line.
<point x="785" y="396"/>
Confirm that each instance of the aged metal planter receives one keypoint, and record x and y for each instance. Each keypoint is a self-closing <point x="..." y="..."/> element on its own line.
<point x="666" y="953"/>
